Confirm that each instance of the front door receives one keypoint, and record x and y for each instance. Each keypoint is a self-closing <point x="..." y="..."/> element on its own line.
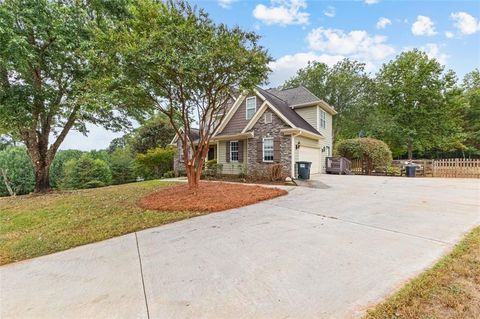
<point x="211" y="153"/>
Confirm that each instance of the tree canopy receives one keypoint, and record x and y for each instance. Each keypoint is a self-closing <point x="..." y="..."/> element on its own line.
<point x="181" y="62"/>
<point x="49" y="70"/>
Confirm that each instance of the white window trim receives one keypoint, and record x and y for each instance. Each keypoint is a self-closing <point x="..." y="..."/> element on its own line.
<point x="322" y="116"/>
<point x="263" y="149"/>
<point x="238" y="145"/>
<point x="246" y="107"/>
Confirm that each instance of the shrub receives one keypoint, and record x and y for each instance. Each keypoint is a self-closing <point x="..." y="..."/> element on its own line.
<point x="122" y="166"/>
<point x="56" y="169"/>
<point x="169" y="174"/>
<point x="210" y="164"/>
<point x="85" y="172"/>
<point x="16" y="172"/>
<point x="394" y="171"/>
<point x="276" y="172"/>
<point x="155" y="162"/>
<point x="375" y="152"/>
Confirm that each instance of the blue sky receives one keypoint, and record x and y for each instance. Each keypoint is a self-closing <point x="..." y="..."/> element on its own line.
<point x="371" y="31"/>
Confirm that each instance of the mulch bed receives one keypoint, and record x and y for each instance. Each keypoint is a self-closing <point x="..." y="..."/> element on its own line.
<point x="209" y="197"/>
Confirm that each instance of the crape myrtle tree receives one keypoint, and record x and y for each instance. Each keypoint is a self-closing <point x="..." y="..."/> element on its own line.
<point x="176" y="59"/>
<point x="422" y="102"/>
<point x="48" y="72"/>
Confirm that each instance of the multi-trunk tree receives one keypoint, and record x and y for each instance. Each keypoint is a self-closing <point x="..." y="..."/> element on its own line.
<point x="48" y="74"/>
<point x="176" y="59"/>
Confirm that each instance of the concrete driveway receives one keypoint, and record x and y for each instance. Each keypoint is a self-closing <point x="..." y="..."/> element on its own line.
<point x="316" y="253"/>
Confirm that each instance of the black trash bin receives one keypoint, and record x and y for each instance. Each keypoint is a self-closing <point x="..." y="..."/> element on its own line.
<point x="303" y="170"/>
<point x="410" y="170"/>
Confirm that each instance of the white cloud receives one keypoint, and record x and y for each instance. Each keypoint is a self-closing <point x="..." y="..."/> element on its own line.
<point x="423" y="26"/>
<point x="383" y="22"/>
<point x="329" y="12"/>
<point x="286" y="67"/>
<point x="465" y="23"/>
<point x="97" y="138"/>
<point x="449" y="34"/>
<point x="357" y="44"/>
<point x="371" y="1"/>
<point x="433" y="52"/>
<point x="226" y="4"/>
<point x="282" y="12"/>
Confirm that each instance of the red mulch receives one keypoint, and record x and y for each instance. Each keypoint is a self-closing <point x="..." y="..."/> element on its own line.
<point x="210" y="197"/>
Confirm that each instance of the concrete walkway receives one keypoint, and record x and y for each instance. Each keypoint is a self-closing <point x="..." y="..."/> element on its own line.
<point x="316" y="253"/>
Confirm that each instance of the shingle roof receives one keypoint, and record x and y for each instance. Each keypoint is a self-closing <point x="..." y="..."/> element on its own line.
<point x="294" y="96"/>
<point x="284" y="107"/>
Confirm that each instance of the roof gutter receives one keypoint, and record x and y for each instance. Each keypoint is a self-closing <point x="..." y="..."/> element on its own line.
<point x="301" y="132"/>
<point x="240" y="136"/>
<point x="322" y="103"/>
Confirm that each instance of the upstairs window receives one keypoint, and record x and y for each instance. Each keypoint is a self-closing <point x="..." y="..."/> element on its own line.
<point x="323" y="121"/>
<point x="268" y="149"/>
<point x="234" y="151"/>
<point x="251" y="107"/>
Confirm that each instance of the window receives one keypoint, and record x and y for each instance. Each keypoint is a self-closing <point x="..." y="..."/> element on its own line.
<point x="327" y="149"/>
<point x="234" y="150"/>
<point x="268" y="117"/>
<point x="268" y="149"/>
<point x="323" y="121"/>
<point x="251" y="106"/>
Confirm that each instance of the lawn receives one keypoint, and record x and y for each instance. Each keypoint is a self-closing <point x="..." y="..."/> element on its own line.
<point x="32" y="226"/>
<point x="450" y="289"/>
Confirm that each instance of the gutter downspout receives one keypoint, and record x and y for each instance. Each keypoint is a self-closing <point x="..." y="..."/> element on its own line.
<point x="293" y="154"/>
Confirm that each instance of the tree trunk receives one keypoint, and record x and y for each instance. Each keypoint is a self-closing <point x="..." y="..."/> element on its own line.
<point x="410" y="150"/>
<point x="42" y="182"/>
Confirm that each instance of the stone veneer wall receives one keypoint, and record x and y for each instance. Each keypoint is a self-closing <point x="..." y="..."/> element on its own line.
<point x="261" y="130"/>
<point x="178" y="167"/>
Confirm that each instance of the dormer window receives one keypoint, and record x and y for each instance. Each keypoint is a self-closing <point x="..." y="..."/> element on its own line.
<point x="251" y="107"/>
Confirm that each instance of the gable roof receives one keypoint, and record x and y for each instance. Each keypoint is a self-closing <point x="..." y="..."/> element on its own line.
<point x="194" y="136"/>
<point x="296" y="95"/>
<point x="283" y="107"/>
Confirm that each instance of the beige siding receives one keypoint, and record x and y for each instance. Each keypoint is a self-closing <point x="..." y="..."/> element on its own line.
<point x="309" y="114"/>
<point x="239" y="120"/>
<point x="327" y="132"/>
<point x="307" y="143"/>
<point x="231" y="167"/>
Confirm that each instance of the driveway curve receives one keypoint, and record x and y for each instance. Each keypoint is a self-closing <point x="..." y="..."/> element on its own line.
<point x="315" y="253"/>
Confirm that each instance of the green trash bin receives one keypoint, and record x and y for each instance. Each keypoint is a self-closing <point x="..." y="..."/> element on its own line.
<point x="303" y="169"/>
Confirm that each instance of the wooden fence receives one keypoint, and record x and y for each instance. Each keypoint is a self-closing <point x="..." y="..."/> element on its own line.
<point x="454" y="167"/>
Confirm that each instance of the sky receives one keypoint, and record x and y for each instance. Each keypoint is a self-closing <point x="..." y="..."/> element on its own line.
<point x="371" y="31"/>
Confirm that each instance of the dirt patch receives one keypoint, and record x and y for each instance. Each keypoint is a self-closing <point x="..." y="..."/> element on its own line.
<point x="210" y="197"/>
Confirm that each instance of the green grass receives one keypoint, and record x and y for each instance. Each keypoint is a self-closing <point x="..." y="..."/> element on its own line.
<point x="450" y="289"/>
<point x="32" y="226"/>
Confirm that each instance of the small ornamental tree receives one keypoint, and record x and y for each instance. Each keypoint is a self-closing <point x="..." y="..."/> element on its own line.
<point x="374" y="152"/>
<point x="185" y="65"/>
<point x="86" y="172"/>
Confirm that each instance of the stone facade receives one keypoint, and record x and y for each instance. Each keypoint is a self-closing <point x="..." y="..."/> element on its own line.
<point x="261" y="130"/>
<point x="178" y="166"/>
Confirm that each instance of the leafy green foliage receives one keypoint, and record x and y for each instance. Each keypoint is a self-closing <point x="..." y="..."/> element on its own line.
<point x="374" y="151"/>
<point x="178" y="60"/>
<point x="122" y="167"/>
<point x="56" y="169"/>
<point x="16" y="172"/>
<point x="471" y="86"/>
<point x="421" y="102"/>
<point x="155" y="162"/>
<point x="49" y="73"/>
<point x="347" y="87"/>
<point x="157" y="132"/>
<point x="85" y="172"/>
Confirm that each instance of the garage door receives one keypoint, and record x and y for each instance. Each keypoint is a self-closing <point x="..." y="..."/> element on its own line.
<point x="310" y="154"/>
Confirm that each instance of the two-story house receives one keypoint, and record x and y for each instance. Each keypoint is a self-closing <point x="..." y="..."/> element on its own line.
<point x="271" y="127"/>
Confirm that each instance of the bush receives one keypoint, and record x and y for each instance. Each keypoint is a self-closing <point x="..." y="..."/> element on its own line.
<point x="375" y="152"/>
<point x="16" y="172"/>
<point x="393" y="171"/>
<point x="155" y="162"/>
<point x="169" y="174"/>
<point x="85" y="172"/>
<point x="56" y="169"/>
<point x="122" y="166"/>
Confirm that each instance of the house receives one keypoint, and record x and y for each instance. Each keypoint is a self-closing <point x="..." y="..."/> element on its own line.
<point x="270" y="127"/>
